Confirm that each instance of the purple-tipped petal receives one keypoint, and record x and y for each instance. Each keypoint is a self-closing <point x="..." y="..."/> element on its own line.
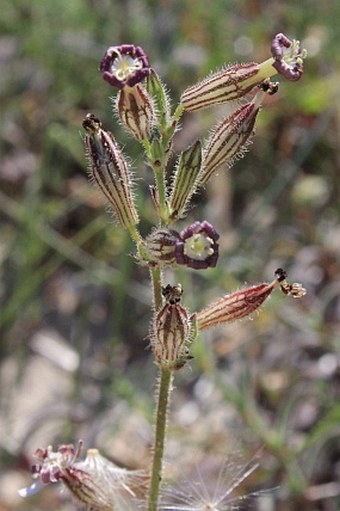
<point x="288" y="57"/>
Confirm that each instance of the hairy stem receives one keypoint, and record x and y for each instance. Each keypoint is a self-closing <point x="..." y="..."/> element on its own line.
<point x="163" y="395"/>
<point x="164" y="390"/>
<point x="163" y="212"/>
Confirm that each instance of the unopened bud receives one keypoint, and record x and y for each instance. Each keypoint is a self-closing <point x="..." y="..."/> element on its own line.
<point x="158" y="92"/>
<point x="110" y="171"/>
<point x="184" y="183"/>
<point x="136" y="111"/>
<point x="171" y="331"/>
<point x="230" y="139"/>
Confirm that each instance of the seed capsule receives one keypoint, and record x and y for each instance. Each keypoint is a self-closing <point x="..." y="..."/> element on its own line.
<point x="171" y="331"/>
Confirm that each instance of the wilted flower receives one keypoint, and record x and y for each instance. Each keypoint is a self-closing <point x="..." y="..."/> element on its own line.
<point x="244" y="302"/>
<point x="124" y="65"/>
<point x="295" y="290"/>
<point x="170" y="331"/>
<point x="236" y="80"/>
<point x="197" y="246"/>
<point x="110" y="171"/>
<point x="94" y="482"/>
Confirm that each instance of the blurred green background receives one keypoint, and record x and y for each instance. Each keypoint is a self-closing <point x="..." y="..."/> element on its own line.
<point x="75" y="308"/>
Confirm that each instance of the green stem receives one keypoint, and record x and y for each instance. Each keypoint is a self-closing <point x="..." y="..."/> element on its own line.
<point x="164" y="391"/>
<point x="159" y="176"/>
<point x="156" y="280"/>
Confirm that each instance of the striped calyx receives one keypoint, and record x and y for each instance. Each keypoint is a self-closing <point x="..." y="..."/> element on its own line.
<point x="231" y="82"/>
<point x="170" y="331"/>
<point x="161" y="246"/>
<point x="230" y="139"/>
<point x="184" y="181"/>
<point x="136" y="111"/>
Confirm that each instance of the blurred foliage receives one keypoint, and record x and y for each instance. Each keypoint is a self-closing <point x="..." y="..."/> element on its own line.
<point x="75" y="307"/>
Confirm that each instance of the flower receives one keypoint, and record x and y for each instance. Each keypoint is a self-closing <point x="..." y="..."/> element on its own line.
<point x="236" y="80"/>
<point x="288" y="57"/>
<point x="124" y="65"/>
<point x="244" y="302"/>
<point x="110" y="171"/>
<point x="197" y="247"/>
<point x="94" y="482"/>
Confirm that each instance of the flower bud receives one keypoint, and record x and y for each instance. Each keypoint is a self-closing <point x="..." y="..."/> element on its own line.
<point x="124" y="65"/>
<point x="171" y="331"/>
<point x="158" y="92"/>
<point x="244" y="302"/>
<point x="184" y="182"/>
<point x="161" y="246"/>
<point x="110" y="171"/>
<point x="136" y="111"/>
<point x="230" y="140"/>
<point x="197" y="247"/>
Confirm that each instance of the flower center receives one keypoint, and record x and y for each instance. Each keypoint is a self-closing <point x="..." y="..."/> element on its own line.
<point x="125" y="66"/>
<point x="294" y="55"/>
<point x="198" y="246"/>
